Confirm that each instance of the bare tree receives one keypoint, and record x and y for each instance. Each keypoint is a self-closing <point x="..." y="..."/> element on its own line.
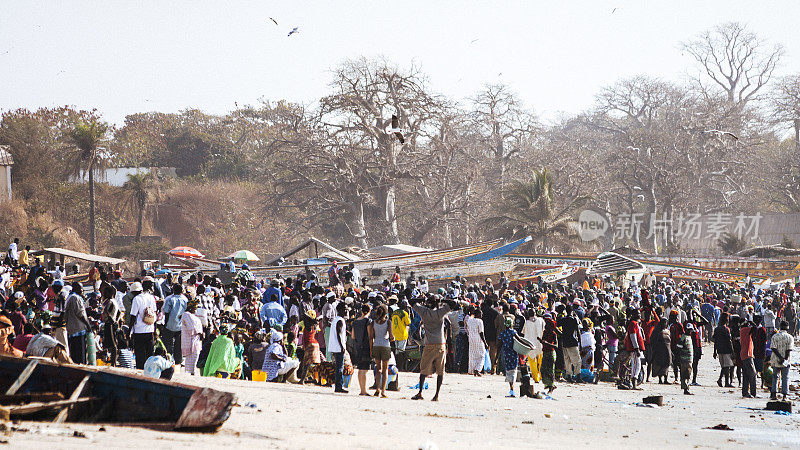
<point x="366" y="95"/>
<point x="786" y="104"/>
<point x="505" y="128"/>
<point x="735" y="59"/>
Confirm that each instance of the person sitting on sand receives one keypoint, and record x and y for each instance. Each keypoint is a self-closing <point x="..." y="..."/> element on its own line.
<point x="222" y="356"/>
<point x="159" y="365"/>
<point x="277" y="362"/>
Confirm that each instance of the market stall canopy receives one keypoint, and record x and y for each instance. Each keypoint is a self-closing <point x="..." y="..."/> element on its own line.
<point x="315" y="243"/>
<point x="185" y="252"/>
<point x="62" y="252"/>
<point x="243" y="255"/>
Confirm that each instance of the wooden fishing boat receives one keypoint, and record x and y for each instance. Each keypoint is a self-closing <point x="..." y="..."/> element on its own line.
<point x="39" y="389"/>
<point x="479" y="270"/>
<point x="370" y="267"/>
<point x="658" y="266"/>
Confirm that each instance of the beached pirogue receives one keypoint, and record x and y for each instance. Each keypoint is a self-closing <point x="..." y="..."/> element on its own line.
<point x="37" y="389"/>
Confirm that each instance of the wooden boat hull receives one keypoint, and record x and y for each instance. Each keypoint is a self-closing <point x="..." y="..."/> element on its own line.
<point x="120" y="397"/>
<point x="465" y="269"/>
<point x="368" y="267"/>
<point x="659" y="268"/>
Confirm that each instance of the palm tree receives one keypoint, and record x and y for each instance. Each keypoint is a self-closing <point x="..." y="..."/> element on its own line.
<point x="529" y="208"/>
<point x="87" y="137"/>
<point x="138" y="187"/>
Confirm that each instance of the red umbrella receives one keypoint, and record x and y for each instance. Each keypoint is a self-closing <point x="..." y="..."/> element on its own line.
<point x="185" y="252"/>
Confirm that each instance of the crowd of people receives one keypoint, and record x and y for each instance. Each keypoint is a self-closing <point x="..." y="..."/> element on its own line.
<point x="310" y="328"/>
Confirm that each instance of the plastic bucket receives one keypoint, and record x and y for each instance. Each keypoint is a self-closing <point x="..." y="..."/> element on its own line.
<point x="259" y="375"/>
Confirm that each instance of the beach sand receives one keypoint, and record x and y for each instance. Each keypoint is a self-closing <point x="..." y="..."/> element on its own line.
<point x="472" y="413"/>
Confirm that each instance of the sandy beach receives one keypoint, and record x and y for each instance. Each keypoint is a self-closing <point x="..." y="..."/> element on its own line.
<point x="472" y="413"/>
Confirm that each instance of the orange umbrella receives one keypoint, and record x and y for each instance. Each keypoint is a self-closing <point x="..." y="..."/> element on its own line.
<point x="185" y="252"/>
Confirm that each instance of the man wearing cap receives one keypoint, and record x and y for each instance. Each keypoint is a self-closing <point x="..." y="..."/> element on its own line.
<point x="46" y="346"/>
<point x="127" y="300"/>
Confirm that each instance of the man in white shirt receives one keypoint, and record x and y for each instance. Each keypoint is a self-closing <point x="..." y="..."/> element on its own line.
<point x="337" y="343"/>
<point x="532" y="331"/>
<point x="356" y="275"/>
<point x="143" y="311"/>
<point x="13" y="253"/>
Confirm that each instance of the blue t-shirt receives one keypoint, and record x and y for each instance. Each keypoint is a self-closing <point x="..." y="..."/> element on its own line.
<point x="174" y="307"/>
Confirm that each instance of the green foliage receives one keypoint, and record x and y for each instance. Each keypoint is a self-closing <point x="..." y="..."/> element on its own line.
<point x="529" y="208"/>
<point x="730" y="244"/>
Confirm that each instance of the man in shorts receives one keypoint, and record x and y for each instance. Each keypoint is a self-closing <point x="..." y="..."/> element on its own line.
<point x="434" y="353"/>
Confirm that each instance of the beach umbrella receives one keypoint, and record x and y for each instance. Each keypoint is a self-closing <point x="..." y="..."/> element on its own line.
<point x="185" y="252"/>
<point x="244" y="255"/>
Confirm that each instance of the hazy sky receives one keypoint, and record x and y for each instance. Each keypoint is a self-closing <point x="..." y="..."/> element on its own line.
<point x="132" y="56"/>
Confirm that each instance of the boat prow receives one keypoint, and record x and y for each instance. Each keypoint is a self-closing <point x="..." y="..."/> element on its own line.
<point x="40" y="388"/>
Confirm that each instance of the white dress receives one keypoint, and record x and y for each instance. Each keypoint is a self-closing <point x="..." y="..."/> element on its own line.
<point x="476" y="347"/>
<point x="532" y="331"/>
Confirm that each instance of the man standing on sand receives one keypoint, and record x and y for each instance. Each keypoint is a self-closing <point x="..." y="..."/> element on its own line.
<point x="338" y="343"/>
<point x="433" y="353"/>
<point x="781" y="347"/>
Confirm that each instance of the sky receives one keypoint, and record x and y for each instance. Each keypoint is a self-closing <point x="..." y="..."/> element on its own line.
<point x="135" y="56"/>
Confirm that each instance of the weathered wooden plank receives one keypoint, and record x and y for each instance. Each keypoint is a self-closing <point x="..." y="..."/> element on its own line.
<point x="17" y="399"/>
<point x="23" y="377"/>
<point x="62" y="415"/>
<point x="30" y="408"/>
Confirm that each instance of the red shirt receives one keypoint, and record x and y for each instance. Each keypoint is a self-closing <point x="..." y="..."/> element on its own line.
<point x="309" y="336"/>
<point x="746" y="343"/>
<point x="636" y="330"/>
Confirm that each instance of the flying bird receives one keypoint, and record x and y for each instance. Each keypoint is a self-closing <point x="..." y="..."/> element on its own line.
<point x="294" y="30"/>
<point x="273" y="20"/>
<point x="396" y="130"/>
<point x="722" y="133"/>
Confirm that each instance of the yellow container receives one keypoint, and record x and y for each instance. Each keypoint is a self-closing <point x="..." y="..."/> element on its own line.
<point x="259" y="375"/>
